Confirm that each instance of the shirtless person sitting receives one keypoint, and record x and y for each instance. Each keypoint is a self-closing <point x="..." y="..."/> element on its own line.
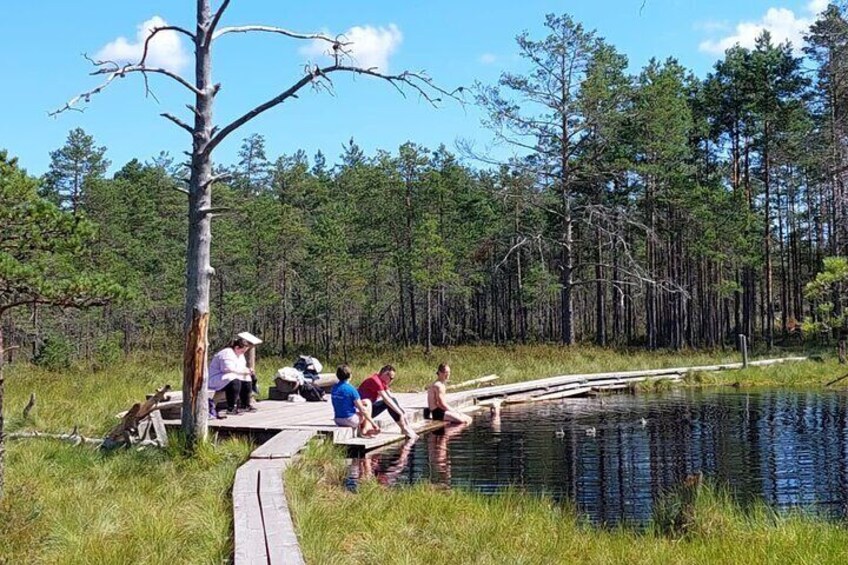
<point x="437" y="404"/>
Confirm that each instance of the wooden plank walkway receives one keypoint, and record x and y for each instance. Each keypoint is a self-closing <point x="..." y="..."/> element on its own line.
<point x="274" y="416"/>
<point x="264" y="530"/>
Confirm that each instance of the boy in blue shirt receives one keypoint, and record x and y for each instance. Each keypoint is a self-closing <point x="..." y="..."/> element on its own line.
<point x="349" y="410"/>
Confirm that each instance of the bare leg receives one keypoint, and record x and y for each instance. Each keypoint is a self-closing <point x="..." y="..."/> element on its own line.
<point x="457" y="417"/>
<point x="365" y="428"/>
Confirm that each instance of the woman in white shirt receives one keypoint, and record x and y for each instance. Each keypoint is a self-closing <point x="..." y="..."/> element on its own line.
<point x="228" y="370"/>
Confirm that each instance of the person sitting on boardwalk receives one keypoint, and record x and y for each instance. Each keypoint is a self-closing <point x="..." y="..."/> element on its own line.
<point x="376" y="389"/>
<point x="228" y="370"/>
<point x="437" y="404"/>
<point x="349" y="410"/>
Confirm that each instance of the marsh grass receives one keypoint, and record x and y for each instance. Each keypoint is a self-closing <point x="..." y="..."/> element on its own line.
<point x="527" y="362"/>
<point x="425" y="524"/>
<point x="74" y="504"/>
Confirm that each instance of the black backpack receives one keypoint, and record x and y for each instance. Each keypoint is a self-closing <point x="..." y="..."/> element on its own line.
<point x="311" y="392"/>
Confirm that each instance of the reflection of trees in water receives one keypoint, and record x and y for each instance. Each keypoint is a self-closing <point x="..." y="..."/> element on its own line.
<point x="788" y="448"/>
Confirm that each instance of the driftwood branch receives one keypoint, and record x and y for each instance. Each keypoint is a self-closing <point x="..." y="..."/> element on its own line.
<point x="74" y="437"/>
<point x="127" y="429"/>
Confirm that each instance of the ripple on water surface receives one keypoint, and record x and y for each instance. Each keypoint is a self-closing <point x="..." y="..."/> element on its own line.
<point x="613" y="458"/>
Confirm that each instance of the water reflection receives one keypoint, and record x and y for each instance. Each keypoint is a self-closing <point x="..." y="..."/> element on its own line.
<point x="613" y="459"/>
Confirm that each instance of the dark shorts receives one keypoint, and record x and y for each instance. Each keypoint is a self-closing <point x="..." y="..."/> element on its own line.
<point x="380" y="406"/>
<point x="435" y="414"/>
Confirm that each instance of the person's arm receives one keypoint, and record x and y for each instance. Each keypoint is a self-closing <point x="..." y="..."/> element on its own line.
<point x="390" y="401"/>
<point x="232" y="364"/>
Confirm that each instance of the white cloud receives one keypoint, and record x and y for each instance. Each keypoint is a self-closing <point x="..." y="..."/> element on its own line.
<point x="487" y="58"/>
<point x="817" y="6"/>
<point x="370" y="47"/>
<point x="782" y="23"/>
<point x="165" y="50"/>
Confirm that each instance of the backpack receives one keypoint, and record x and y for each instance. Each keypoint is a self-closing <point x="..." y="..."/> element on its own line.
<point x="309" y="366"/>
<point x="311" y="392"/>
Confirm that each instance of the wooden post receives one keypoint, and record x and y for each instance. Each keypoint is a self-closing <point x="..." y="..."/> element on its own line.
<point x="743" y="348"/>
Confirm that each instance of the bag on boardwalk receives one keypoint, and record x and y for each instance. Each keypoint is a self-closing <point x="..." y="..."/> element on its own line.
<point x="309" y="366"/>
<point x="311" y="392"/>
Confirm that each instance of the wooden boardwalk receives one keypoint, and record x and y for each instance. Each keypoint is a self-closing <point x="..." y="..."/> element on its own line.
<point x="273" y="416"/>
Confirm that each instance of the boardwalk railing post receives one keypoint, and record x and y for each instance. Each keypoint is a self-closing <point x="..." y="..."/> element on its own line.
<point x="743" y="348"/>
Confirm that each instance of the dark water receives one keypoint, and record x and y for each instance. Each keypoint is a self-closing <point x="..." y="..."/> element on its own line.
<point x="789" y="449"/>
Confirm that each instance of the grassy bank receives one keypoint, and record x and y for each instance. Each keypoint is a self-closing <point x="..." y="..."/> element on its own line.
<point x="426" y="525"/>
<point x="521" y="363"/>
<point x="69" y="504"/>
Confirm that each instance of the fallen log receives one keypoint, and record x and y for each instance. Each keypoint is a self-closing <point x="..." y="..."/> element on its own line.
<point x="126" y="432"/>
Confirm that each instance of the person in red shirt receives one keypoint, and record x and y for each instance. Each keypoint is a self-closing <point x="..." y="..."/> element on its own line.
<point x="376" y="389"/>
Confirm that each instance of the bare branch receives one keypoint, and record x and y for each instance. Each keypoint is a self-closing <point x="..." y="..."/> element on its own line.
<point x="85" y="96"/>
<point x="218" y="178"/>
<point x="181" y="189"/>
<point x="215" y="211"/>
<point x="216" y="19"/>
<point x="126" y="69"/>
<point x="153" y="33"/>
<point x="418" y="82"/>
<point x="521" y="243"/>
<point x="177" y="121"/>
<point x="147" y="91"/>
<point x="277" y="30"/>
<point x="113" y="71"/>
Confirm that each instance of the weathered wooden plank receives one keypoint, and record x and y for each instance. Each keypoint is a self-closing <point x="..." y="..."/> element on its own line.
<point x="280" y="536"/>
<point x="481" y="380"/>
<point x="518" y="388"/>
<point x="562" y="394"/>
<point x="159" y="428"/>
<point x="385" y="438"/>
<point x="249" y="534"/>
<point x="283" y="445"/>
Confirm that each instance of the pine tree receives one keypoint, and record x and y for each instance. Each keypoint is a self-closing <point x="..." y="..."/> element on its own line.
<point x="42" y="257"/>
<point x="73" y="168"/>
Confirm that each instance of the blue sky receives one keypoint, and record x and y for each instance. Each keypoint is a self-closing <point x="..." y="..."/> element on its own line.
<point x="456" y="42"/>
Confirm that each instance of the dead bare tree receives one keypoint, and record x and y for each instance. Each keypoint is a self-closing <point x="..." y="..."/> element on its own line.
<point x="205" y="138"/>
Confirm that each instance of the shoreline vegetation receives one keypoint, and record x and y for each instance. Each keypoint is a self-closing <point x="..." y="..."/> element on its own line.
<point x="428" y="524"/>
<point x="72" y="504"/>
